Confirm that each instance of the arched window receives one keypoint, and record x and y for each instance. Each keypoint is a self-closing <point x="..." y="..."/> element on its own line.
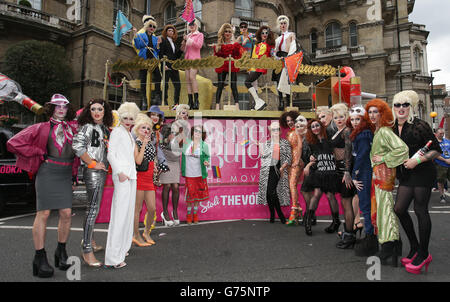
<point x="352" y="34"/>
<point x="333" y="35"/>
<point x="243" y="8"/>
<point x="170" y="14"/>
<point x="197" y="8"/>
<point x="313" y="38"/>
<point x="417" y="59"/>
<point x="121" y="5"/>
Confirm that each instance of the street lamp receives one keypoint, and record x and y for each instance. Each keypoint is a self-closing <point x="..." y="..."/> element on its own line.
<point x="432" y="95"/>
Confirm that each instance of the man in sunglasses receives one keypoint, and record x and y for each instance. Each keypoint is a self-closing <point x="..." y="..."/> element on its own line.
<point x="245" y="39"/>
<point x="147" y="47"/>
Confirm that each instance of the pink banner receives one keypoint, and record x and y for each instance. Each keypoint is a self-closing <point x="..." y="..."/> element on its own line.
<point x="234" y="149"/>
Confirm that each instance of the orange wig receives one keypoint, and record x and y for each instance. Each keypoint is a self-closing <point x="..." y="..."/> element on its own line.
<point x="386" y="116"/>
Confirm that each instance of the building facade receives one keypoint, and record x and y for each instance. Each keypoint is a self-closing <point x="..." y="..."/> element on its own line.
<point x="374" y="37"/>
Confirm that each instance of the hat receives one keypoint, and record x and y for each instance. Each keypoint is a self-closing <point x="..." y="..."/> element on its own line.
<point x="195" y="22"/>
<point x="59" y="99"/>
<point x="147" y="20"/>
<point x="155" y="109"/>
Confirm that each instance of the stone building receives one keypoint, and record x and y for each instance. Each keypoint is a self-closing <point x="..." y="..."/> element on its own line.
<point x="374" y="37"/>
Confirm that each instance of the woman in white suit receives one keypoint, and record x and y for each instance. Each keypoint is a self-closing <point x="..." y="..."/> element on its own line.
<point x="121" y="159"/>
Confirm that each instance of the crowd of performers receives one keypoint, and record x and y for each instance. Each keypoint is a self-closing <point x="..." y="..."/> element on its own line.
<point x="356" y="152"/>
<point x="262" y="44"/>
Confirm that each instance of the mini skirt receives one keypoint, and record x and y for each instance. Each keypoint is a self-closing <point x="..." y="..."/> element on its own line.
<point x="145" y="179"/>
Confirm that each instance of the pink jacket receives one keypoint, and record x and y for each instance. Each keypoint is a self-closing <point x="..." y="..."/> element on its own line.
<point x="30" y="146"/>
<point x="194" y="43"/>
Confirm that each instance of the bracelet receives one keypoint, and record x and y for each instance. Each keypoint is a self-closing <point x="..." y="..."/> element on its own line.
<point x="92" y="164"/>
<point x="418" y="160"/>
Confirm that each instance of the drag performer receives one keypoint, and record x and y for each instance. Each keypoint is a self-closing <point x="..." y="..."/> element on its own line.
<point x="147" y="44"/>
<point x="121" y="158"/>
<point x="342" y="149"/>
<point x="416" y="178"/>
<point x="245" y="39"/>
<point x="191" y="45"/>
<point x="362" y="137"/>
<point x="225" y="47"/>
<point x="288" y="120"/>
<point x="320" y="172"/>
<point x="285" y="45"/>
<point x="144" y="155"/>
<point x="273" y="176"/>
<point x="91" y="145"/>
<point x="388" y="151"/>
<point x="194" y="168"/>
<point x="171" y="50"/>
<point x="266" y="43"/>
<point x="45" y="149"/>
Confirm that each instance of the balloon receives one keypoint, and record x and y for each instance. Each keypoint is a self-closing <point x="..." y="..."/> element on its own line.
<point x="345" y="84"/>
<point x="433" y="114"/>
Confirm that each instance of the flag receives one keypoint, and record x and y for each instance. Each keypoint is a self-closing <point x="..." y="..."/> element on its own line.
<point x="245" y="143"/>
<point x="188" y="12"/>
<point x="216" y="172"/>
<point x="122" y="27"/>
<point x="293" y="63"/>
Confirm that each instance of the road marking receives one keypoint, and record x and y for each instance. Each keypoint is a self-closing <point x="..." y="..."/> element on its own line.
<point x="18" y="216"/>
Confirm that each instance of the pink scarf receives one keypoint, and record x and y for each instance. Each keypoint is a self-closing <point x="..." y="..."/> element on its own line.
<point x="62" y="133"/>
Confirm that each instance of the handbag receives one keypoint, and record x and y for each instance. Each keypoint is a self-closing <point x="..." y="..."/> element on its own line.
<point x="143" y="167"/>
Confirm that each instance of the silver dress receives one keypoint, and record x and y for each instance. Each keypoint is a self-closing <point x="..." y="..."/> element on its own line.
<point x="92" y="139"/>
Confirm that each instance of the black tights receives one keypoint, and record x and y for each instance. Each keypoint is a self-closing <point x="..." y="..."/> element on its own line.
<point x="421" y="196"/>
<point x="314" y="201"/>
<point x="272" y="196"/>
<point x="348" y="213"/>
<point x="175" y="197"/>
<point x="221" y="84"/>
<point x="251" y="77"/>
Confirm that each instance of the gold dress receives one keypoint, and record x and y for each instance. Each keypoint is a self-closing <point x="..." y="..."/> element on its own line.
<point x="295" y="170"/>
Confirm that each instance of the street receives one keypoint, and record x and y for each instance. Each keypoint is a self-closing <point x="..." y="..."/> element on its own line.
<point x="222" y="251"/>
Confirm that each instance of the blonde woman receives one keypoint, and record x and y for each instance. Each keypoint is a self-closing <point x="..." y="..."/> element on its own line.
<point x="121" y="158"/>
<point x="144" y="154"/>
<point x="225" y="47"/>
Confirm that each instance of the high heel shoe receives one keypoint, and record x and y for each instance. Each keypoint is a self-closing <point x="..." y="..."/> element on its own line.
<point x="348" y="241"/>
<point x="137" y="243"/>
<point x="166" y="222"/>
<point x="91" y="264"/>
<point x="148" y="239"/>
<point x="404" y="261"/>
<point x="358" y="228"/>
<point x="389" y="251"/>
<point x="417" y="269"/>
<point x="61" y="258"/>
<point x="334" y="226"/>
<point x="41" y="267"/>
<point x="308" y="230"/>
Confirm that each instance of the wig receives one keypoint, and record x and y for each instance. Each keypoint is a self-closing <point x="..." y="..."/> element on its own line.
<point x="203" y="132"/>
<point x="128" y="109"/>
<point x="322" y="109"/>
<point x="340" y="108"/>
<point x="282" y="18"/>
<point x="221" y="34"/>
<point x="386" y="116"/>
<point x="86" y="117"/>
<point x="49" y="109"/>
<point x="363" y="125"/>
<point x="147" y="20"/>
<point x="270" y="37"/>
<point x="292" y="114"/>
<point x="141" y="119"/>
<point x="311" y="138"/>
<point x="166" y="28"/>
<point x="180" y="109"/>
<point x="409" y="96"/>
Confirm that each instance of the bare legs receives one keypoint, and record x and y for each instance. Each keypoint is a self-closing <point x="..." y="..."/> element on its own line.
<point x="40" y="226"/>
<point x="149" y="197"/>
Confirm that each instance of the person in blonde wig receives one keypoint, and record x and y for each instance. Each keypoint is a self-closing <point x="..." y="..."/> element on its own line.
<point x="121" y="158"/>
<point x="416" y="177"/>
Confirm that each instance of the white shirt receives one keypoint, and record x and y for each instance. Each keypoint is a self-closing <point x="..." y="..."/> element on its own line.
<point x="171" y="44"/>
<point x="193" y="164"/>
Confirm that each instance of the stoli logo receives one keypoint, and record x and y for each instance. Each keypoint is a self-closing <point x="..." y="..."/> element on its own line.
<point x="229" y="201"/>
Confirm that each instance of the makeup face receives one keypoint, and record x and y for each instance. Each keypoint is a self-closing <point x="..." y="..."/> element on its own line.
<point x="151" y="29"/>
<point x="197" y="133"/>
<point x="154" y="117"/>
<point x="325" y="119"/>
<point x="290" y="122"/>
<point x="283" y="26"/>
<point x="315" y="128"/>
<point x="97" y="113"/>
<point x="339" y="120"/>
<point x="374" y="115"/>
<point x="355" y="120"/>
<point x="275" y="130"/>
<point x="401" y="110"/>
<point x="243" y="29"/>
<point x="170" y="32"/>
<point x="60" y="112"/>
<point x="264" y="34"/>
<point x="144" y="130"/>
<point x="127" y="122"/>
<point x="228" y="33"/>
<point x="184" y="115"/>
<point x="192" y="28"/>
<point x="300" y="124"/>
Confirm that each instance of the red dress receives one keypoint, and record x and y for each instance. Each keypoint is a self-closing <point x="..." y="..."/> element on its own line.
<point x="235" y="50"/>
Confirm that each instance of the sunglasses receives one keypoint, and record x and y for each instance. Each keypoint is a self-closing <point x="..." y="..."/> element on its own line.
<point x="197" y="131"/>
<point x="264" y="33"/>
<point x="404" y="105"/>
<point x="146" y="128"/>
<point x="152" y="26"/>
<point x="228" y="32"/>
<point x="242" y="26"/>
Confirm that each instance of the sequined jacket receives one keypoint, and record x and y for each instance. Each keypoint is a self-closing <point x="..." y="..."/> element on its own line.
<point x="93" y="140"/>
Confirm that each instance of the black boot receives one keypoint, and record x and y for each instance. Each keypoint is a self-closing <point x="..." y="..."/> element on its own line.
<point x="196" y="103"/>
<point x="309" y="214"/>
<point x="367" y="246"/>
<point x="334" y="226"/>
<point x="61" y="257"/>
<point x="191" y="101"/>
<point x="41" y="268"/>
<point x="348" y="240"/>
<point x="389" y="251"/>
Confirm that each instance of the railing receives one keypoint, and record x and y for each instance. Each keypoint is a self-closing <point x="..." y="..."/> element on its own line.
<point x="27" y="13"/>
<point x="252" y="23"/>
<point x="354" y="51"/>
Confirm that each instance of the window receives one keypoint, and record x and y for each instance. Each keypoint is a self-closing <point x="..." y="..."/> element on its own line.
<point x="170" y="14"/>
<point x="243" y="8"/>
<point x="417" y="59"/>
<point x="313" y="37"/>
<point x="115" y="90"/>
<point x="198" y="8"/>
<point x="35" y="4"/>
<point x="121" y="5"/>
<point x="333" y="35"/>
<point x="353" y="34"/>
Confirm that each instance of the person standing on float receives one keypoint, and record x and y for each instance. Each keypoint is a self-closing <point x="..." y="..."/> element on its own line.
<point x="45" y="149"/>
